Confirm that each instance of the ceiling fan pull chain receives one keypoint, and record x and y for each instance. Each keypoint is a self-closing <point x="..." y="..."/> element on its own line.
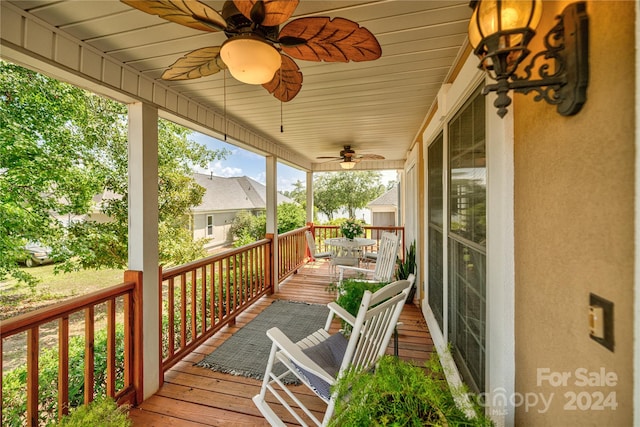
<point x="224" y="86"/>
<point x="281" y="125"/>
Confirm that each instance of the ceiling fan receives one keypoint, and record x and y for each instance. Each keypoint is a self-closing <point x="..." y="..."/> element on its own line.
<point x="255" y="49"/>
<point x="348" y="157"/>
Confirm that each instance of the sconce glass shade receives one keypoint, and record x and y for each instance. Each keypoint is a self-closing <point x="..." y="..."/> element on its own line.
<point x="250" y="59"/>
<point x="347" y="164"/>
<point x="500" y="30"/>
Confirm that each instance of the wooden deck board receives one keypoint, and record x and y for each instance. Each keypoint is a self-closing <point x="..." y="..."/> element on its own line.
<point x="194" y="396"/>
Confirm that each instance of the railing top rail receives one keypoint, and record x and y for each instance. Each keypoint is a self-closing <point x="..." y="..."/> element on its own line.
<point x="296" y="231"/>
<point x="184" y="268"/>
<point x="44" y="315"/>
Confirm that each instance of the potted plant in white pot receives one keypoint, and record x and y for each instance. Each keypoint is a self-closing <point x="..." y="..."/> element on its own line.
<point x="406" y="267"/>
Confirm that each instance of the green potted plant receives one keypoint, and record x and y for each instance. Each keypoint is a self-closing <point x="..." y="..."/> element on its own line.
<point x="400" y="394"/>
<point x="351" y="291"/>
<point x="351" y="229"/>
<point x="406" y="267"/>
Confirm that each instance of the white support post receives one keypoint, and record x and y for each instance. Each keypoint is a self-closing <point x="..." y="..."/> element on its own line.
<point x="143" y="231"/>
<point x="272" y="212"/>
<point x="309" y="197"/>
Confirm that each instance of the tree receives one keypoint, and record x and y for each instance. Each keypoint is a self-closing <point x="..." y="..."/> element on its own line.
<point x="349" y="190"/>
<point x="248" y="228"/>
<point x="298" y="194"/>
<point x="325" y="198"/>
<point x="59" y="147"/>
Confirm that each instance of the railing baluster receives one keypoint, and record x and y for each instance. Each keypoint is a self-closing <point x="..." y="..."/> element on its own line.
<point x="203" y="298"/>
<point x="183" y="310"/>
<point x="33" y="350"/>
<point x="128" y="338"/>
<point x="236" y="268"/>
<point x="193" y="305"/>
<point x="89" y="354"/>
<point x="111" y="348"/>
<point x="171" y="316"/>
<point x="63" y="366"/>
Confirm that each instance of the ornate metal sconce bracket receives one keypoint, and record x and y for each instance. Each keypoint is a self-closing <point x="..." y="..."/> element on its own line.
<point x="563" y="76"/>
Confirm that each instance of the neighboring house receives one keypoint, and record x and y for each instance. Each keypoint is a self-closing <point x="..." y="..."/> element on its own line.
<point x="384" y="209"/>
<point x="96" y="214"/>
<point x="222" y="200"/>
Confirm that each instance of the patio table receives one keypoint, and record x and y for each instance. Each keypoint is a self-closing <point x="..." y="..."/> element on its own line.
<point x="348" y="250"/>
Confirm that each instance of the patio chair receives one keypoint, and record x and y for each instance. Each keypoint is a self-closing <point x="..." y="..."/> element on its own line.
<point x="385" y="261"/>
<point x="319" y="360"/>
<point x="311" y="243"/>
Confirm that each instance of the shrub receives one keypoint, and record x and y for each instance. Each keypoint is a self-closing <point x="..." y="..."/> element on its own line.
<point x="102" y="412"/>
<point x="399" y="394"/>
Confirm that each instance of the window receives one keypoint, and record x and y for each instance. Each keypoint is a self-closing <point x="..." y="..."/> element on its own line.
<point x="467" y="241"/>
<point x="209" y="225"/>
<point x="435" y="230"/>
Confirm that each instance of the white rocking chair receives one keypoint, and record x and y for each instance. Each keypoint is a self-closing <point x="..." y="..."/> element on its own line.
<point x="319" y="360"/>
<point x="385" y="261"/>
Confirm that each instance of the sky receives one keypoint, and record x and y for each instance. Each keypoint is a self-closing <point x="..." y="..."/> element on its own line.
<point x="242" y="162"/>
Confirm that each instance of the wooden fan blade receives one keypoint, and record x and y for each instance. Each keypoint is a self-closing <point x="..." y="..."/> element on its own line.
<point x="190" y="13"/>
<point x="329" y="157"/>
<point x="276" y="12"/>
<point x="337" y="40"/>
<point x="370" y="157"/>
<point x="199" y="63"/>
<point x="287" y="81"/>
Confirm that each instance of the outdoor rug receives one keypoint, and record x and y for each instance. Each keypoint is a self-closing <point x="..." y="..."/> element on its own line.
<point x="246" y="352"/>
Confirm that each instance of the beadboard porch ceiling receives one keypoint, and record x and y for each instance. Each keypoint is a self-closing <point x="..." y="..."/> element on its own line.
<point x="377" y="107"/>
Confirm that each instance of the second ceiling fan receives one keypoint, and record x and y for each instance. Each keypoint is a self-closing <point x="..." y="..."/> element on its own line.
<point x="255" y="49"/>
<point x="348" y="157"/>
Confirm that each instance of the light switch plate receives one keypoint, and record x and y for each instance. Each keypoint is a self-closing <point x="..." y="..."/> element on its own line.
<point x="601" y="330"/>
<point x="596" y="321"/>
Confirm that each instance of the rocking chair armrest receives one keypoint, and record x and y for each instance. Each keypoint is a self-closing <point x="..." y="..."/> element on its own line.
<point x="342" y="313"/>
<point x="295" y="354"/>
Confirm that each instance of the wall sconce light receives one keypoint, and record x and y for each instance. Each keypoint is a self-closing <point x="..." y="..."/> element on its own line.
<point x="250" y="59"/>
<point x="499" y="32"/>
<point x="347" y="163"/>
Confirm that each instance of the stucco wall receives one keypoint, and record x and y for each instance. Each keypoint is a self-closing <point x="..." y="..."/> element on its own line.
<point x="574" y="210"/>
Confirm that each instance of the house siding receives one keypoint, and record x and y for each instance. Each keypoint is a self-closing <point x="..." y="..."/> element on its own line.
<point x="574" y="216"/>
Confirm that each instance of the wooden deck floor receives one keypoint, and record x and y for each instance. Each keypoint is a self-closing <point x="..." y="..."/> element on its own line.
<point x="194" y="396"/>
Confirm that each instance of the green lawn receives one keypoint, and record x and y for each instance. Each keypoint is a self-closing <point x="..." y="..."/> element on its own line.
<point x="16" y="298"/>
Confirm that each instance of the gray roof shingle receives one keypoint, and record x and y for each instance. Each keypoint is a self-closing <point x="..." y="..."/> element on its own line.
<point x="232" y="193"/>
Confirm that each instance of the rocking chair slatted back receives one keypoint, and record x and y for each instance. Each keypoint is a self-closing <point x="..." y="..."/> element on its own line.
<point x="387" y="254"/>
<point x="385" y="264"/>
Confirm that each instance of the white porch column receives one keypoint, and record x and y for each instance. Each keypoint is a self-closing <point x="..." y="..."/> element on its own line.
<point x="309" y="197"/>
<point x="272" y="212"/>
<point x="143" y="231"/>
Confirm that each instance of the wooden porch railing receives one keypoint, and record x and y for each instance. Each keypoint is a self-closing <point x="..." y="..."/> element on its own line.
<point x="292" y="252"/>
<point x="199" y="298"/>
<point x="121" y="305"/>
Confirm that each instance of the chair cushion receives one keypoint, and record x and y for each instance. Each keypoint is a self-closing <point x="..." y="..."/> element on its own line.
<point x="328" y="355"/>
<point x="323" y="255"/>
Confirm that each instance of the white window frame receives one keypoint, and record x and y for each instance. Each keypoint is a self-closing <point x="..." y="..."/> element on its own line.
<point x="500" y="273"/>
<point x="209" y="226"/>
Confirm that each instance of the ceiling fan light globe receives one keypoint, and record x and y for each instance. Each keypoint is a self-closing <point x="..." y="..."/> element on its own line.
<point x="250" y="60"/>
<point x="347" y="165"/>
